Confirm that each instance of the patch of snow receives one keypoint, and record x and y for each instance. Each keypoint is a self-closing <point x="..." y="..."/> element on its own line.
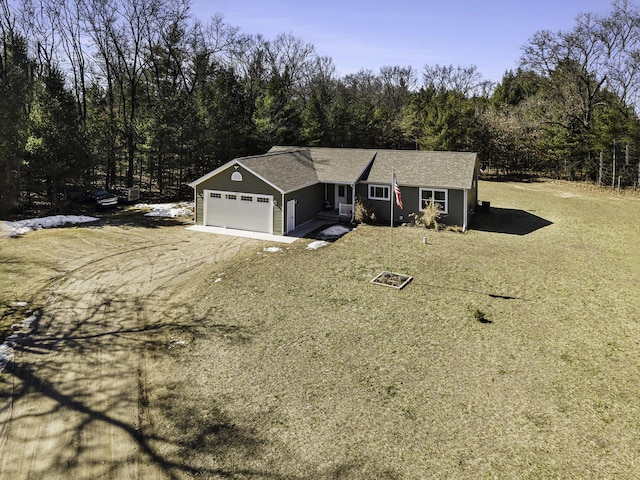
<point x="219" y="279"/>
<point x="272" y="249"/>
<point x="317" y="244"/>
<point x="23" y="226"/>
<point x="6" y="349"/>
<point x="170" y="210"/>
<point x="333" y="233"/>
<point x="335" y="230"/>
<point x="6" y="354"/>
<point x="174" y="341"/>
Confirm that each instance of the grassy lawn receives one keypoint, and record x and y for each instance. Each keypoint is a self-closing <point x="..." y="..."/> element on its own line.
<point x="297" y="367"/>
<point x="292" y="365"/>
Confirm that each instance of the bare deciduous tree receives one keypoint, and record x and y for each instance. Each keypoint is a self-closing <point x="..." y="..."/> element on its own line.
<point x="459" y="79"/>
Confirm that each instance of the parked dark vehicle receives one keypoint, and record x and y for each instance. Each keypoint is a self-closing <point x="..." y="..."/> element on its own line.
<point x="103" y="198"/>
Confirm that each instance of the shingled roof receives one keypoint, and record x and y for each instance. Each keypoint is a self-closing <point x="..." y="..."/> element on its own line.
<point x="287" y="170"/>
<point x="291" y="168"/>
<point x="334" y="165"/>
<point x="413" y="167"/>
<point x="418" y="168"/>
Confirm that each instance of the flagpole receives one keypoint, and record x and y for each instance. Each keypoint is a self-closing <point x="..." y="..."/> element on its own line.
<point x="392" y="197"/>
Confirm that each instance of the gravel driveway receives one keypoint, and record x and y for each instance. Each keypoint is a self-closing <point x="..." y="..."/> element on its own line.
<point x="73" y="402"/>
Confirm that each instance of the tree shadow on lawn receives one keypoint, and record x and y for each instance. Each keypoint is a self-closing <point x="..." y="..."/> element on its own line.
<point x="49" y="375"/>
<point x="508" y="220"/>
<point x="217" y="436"/>
<point x="131" y="217"/>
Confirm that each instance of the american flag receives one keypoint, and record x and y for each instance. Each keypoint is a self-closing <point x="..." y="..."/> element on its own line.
<point x="396" y="190"/>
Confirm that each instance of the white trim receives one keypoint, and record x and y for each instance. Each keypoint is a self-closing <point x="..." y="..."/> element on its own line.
<point x="345" y="210"/>
<point x="387" y="189"/>
<point x="204" y="207"/>
<point x="445" y="210"/>
<point x="466" y="211"/>
<point x="291" y="207"/>
<point x="195" y="207"/>
<point x="353" y="202"/>
<point x="283" y="218"/>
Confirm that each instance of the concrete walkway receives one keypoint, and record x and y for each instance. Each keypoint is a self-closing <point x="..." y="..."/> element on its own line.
<point x="288" y="238"/>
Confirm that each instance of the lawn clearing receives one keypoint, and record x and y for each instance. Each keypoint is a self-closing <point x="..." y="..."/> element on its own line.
<point x="513" y="353"/>
<point x="508" y="356"/>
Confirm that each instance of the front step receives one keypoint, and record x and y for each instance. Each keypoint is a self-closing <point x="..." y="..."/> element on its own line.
<point x="332" y="215"/>
<point x="328" y="215"/>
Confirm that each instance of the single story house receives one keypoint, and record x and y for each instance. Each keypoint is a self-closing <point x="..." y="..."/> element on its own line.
<point x="289" y="186"/>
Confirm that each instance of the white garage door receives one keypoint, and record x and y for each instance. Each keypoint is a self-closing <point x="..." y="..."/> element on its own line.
<point x="243" y="211"/>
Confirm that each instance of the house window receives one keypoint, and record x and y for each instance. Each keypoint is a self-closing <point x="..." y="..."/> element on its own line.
<point x="215" y="195"/>
<point x="236" y="177"/>
<point x="263" y="200"/>
<point x="441" y="197"/>
<point x="378" y="192"/>
<point x="229" y="196"/>
<point x="342" y="191"/>
<point x="246" y="198"/>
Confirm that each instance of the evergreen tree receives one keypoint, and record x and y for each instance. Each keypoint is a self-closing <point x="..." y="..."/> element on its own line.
<point x="15" y="87"/>
<point x="277" y="115"/>
<point x="56" y="151"/>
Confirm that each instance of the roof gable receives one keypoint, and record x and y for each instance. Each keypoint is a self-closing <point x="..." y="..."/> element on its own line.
<point x="284" y="171"/>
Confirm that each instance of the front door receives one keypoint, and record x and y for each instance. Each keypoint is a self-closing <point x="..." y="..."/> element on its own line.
<point x="291" y="215"/>
<point x="341" y="195"/>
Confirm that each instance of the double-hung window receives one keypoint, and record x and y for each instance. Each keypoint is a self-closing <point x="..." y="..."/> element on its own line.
<point x="440" y="197"/>
<point x="378" y="192"/>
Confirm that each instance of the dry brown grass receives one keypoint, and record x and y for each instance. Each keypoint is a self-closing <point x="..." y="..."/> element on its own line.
<point x="363" y="213"/>
<point x="337" y="378"/>
<point x="295" y="366"/>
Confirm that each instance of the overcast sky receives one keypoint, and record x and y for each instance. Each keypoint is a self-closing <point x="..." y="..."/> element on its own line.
<point x="370" y="34"/>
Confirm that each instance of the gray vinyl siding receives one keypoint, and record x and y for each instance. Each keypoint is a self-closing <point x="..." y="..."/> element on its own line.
<point x="381" y="207"/>
<point x="310" y="203"/>
<point x="411" y="204"/>
<point x="249" y="184"/>
<point x="457" y="207"/>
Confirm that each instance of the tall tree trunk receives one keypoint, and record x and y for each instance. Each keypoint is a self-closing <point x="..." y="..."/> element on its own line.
<point x="160" y="170"/>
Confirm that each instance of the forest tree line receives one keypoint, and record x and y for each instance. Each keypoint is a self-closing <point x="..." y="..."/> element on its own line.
<point x="140" y="92"/>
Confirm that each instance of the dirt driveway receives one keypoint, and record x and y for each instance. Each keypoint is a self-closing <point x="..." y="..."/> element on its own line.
<point x="73" y="402"/>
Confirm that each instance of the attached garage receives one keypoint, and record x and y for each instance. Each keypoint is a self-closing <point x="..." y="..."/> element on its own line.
<point x="267" y="193"/>
<point x="237" y="210"/>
